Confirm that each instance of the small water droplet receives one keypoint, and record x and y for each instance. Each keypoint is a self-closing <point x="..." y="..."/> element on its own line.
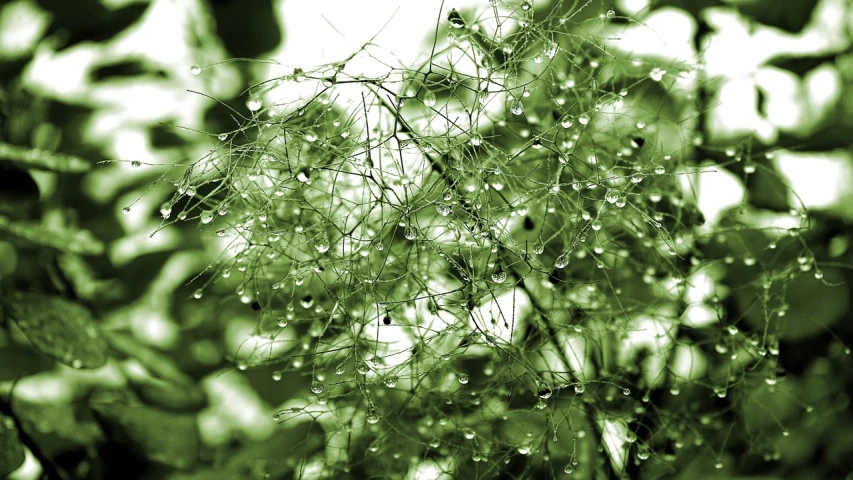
<point x="317" y="388"/>
<point x="660" y="170"/>
<point x="125" y="210"/>
<point x="136" y="164"/>
<point x="517" y="108"/>
<point x="206" y="217"/>
<point x="463" y="378"/>
<point x="276" y="375"/>
<point x="321" y="243"/>
<point x="373" y="416"/>
<point x="455" y="19"/>
<point x="195" y="70"/>
<point x="253" y="104"/>
<point x="391" y="382"/>
<point x="499" y="276"/>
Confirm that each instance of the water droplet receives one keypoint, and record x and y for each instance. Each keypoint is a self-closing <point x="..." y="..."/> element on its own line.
<point x="732" y="329"/>
<point x="568" y="468"/>
<point x="720" y="392"/>
<point x="580" y="388"/>
<point x="550" y="50"/>
<point x="222" y="137"/>
<point x="610" y="14"/>
<point x="463" y="378"/>
<point x="499" y="276"/>
<point x="567" y="121"/>
<point x="595" y="225"/>
<point x="456" y="20"/>
<point x="276" y="375"/>
<point x="429" y="98"/>
<point x="526" y="5"/>
<point x="660" y="170"/>
<point x="125" y="210"/>
<point x="517" y="108"/>
<point x="198" y="293"/>
<point x="468" y="433"/>
<point x="612" y="196"/>
<point x="165" y="210"/>
<point x="561" y="261"/>
<point x="281" y="322"/>
<point x="136" y="164"/>
<point x="443" y="209"/>
<point x="626" y="391"/>
<point x="191" y="191"/>
<point x="311" y="136"/>
<point x="317" y="388"/>
<point x="195" y="70"/>
<point x="544" y="391"/>
<point x="410" y="233"/>
<point x="373" y="416"/>
<point x="307" y="301"/>
<point x="206" y="217"/>
<point x="254" y="104"/>
<point x="321" y="243"/>
<point x="391" y="382"/>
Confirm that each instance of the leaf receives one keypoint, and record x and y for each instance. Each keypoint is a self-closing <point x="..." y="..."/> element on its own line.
<point x="17" y="361"/>
<point x="57" y="327"/>
<point x="67" y="240"/>
<point x="35" y="159"/>
<point x="160" y="365"/>
<point x="171" y="439"/>
<point x="171" y="396"/>
<point x="11" y="449"/>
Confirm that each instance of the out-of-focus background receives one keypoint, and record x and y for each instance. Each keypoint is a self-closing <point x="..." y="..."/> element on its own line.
<point x="113" y="81"/>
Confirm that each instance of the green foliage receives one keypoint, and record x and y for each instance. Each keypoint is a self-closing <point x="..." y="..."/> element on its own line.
<point x="57" y="327"/>
<point x="11" y="449"/>
<point x="489" y="263"/>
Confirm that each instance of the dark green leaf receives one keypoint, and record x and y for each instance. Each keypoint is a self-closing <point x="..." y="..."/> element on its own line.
<point x="67" y="240"/>
<point x="171" y="439"/>
<point x="34" y="159"/>
<point x="17" y="361"/>
<point x="172" y="396"/>
<point x="57" y="327"/>
<point x="11" y="450"/>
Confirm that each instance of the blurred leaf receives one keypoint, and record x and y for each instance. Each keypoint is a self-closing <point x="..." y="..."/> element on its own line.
<point x="18" y="193"/>
<point x="160" y="365"/>
<point x="171" y="439"/>
<point x="67" y="240"/>
<point x="11" y="450"/>
<point x="83" y="279"/>
<point x="57" y="327"/>
<point x="813" y="307"/>
<point x="35" y="159"/>
<point x="17" y="361"/>
<point x="179" y="397"/>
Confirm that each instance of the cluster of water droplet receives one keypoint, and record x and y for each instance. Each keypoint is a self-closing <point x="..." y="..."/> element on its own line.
<point x="370" y="233"/>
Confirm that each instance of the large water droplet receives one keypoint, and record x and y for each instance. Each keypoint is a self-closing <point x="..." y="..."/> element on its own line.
<point x="561" y="261"/>
<point x="317" y="387"/>
<point x="206" y="217"/>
